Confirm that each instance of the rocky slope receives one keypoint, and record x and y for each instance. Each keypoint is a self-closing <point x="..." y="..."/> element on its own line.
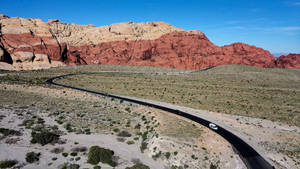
<point x="34" y="44"/>
<point x="289" y="61"/>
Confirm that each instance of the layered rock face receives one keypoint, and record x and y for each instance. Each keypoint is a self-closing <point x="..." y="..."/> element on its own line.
<point x="34" y="44"/>
<point x="289" y="61"/>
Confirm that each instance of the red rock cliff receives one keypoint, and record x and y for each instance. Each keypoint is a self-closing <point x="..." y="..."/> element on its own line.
<point x="289" y="61"/>
<point x="32" y="43"/>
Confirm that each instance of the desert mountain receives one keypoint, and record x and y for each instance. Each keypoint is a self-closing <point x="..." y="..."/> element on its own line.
<point x="34" y="44"/>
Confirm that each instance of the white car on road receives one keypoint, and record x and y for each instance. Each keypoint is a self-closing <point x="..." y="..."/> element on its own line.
<point x="213" y="126"/>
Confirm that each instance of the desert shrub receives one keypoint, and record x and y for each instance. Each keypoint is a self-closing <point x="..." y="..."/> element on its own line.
<point x="32" y="157"/>
<point x="65" y="154"/>
<point x="8" y="163"/>
<point x="130" y="142"/>
<point x="69" y="128"/>
<point x="121" y="139"/>
<point x="73" y="166"/>
<point x="28" y="123"/>
<point x="54" y="158"/>
<point x="79" y="149"/>
<point x="157" y="155"/>
<point x="138" y="126"/>
<point x="44" y="137"/>
<point x="40" y="121"/>
<point x="116" y="130"/>
<point x="12" y="140"/>
<point x="213" y="166"/>
<point x="143" y="146"/>
<point x="168" y="154"/>
<point x="7" y="132"/>
<point x="57" y="150"/>
<point x="194" y="157"/>
<point x="138" y="166"/>
<point x="128" y="109"/>
<point x="97" y="167"/>
<point x="124" y="134"/>
<point x="97" y="154"/>
<point x="87" y="131"/>
<point x="69" y="166"/>
<point x="73" y="154"/>
<point x="145" y="135"/>
<point x="77" y="158"/>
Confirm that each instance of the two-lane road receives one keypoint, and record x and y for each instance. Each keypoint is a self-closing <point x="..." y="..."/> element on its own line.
<point x="251" y="158"/>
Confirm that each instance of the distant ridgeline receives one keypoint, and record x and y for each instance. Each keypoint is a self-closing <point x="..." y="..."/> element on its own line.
<point x="34" y="44"/>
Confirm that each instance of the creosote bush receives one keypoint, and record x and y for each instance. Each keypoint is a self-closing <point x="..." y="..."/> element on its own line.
<point x="97" y="167"/>
<point x="124" y="134"/>
<point x="32" y="157"/>
<point x="7" y="132"/>
<point x="138" y="166"/>
<point x="8" y="163"/>
<point x="98" y="154"/>
<point x="44" y="137"/>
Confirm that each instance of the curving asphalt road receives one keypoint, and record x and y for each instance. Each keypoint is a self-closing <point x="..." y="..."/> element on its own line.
<point x="251" y="158"/>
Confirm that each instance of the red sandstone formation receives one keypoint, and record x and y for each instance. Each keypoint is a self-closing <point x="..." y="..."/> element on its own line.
<point x="177" y="49"/>
<point x="32" y="43"/>
<point x="289" y="61"/>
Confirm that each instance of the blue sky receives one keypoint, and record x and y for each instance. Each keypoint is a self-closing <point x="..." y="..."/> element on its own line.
<point x="271" y="24"/>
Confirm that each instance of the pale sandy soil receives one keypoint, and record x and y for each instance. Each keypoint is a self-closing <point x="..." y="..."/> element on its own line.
<point x="207" y="147"/>
<point x="269" y="138"/>
<point x="124" y="152"/>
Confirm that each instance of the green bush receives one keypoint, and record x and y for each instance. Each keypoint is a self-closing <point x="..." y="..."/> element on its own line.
<point x="73" y="154"/>
<point x="138" y="166"/>
<point x="70" y="166"/>
<point x="168" y="154"/>
<point x="143" y="146"/>
<point x="124" y="134"/>
<point x="8" y="163"/>
<point x="44" y="137"/>
<point x="116" y="130"/>
<point x="130" y="142"/>
<point x="213" y="166"/>
<point x="32" y="157"/>
<point x="73" y="166"/>
<point x="97" y="154"/>
<point x="97" y="167"/>
<point x="7" y="132"/>
<point x="65" y="154"/>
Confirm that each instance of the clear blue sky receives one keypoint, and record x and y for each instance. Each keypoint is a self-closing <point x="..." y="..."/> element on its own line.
<point x="271" y="24"/>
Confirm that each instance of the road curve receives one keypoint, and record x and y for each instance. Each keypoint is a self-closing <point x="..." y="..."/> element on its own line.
<point x="251" y="158"/>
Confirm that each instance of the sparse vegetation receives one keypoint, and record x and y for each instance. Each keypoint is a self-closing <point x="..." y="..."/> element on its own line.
<point x="32" y="157"/>
<point x="44" y="137"/>
<point x="65" y="154"/>
<point x="234" y="89"/>
<point x="138" y="166"/>
<point x="124" y="134"/>
<point x="8" y="163"/>
<point x="97" y="154"/>
<point x="130" y="142"/>
<point x="213" y="166"/>
<point x="7" y="132"/>
<point x="97" y="167"/>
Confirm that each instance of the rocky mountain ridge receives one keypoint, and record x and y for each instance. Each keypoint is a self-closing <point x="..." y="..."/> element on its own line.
<point x="34" y="44"/>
